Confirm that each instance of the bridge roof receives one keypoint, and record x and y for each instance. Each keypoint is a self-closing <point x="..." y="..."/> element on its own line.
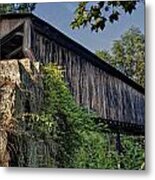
<point x="66" y="41"/>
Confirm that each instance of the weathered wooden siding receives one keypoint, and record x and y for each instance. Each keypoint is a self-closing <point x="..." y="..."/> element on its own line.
<point x="93" y="83"/>
<point x="91" y="86"/>
<point x="7" y="25"/>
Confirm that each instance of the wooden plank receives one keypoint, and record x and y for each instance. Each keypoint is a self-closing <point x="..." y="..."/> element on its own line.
<point x="14" y="52"/>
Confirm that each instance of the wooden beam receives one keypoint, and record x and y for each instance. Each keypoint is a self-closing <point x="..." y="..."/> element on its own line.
<point x="14" y="52"/>
<point x="27" y="40"/>
<point x="10" y="35"/>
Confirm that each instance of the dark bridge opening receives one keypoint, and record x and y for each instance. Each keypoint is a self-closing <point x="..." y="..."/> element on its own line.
<point x="11" y="45"/>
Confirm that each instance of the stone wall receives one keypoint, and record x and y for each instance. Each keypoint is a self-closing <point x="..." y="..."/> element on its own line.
<point x="21" y="92"/>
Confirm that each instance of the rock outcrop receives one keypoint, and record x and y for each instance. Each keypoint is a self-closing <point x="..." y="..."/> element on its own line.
<point x="21" y="92"/>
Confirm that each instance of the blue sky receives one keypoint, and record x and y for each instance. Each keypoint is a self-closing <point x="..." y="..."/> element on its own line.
<point x="60" y="15"/>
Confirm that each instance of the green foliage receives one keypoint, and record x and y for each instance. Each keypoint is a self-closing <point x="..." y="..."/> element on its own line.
<point x="97" y="14"/>
<point x="17" y="8"/>
<point x="70" y="120"/>
<point x="105" y="55"/>
<point x="134" y="156"/>
<point x="128" y="55"/>
<point x="98" y="151"/>
<point x="80" y="141"/>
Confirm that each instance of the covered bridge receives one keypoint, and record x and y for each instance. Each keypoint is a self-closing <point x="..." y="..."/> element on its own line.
<point x="94" y="84"/>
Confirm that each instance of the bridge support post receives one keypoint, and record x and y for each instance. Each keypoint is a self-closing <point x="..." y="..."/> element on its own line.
<point x="119" y="147"/>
